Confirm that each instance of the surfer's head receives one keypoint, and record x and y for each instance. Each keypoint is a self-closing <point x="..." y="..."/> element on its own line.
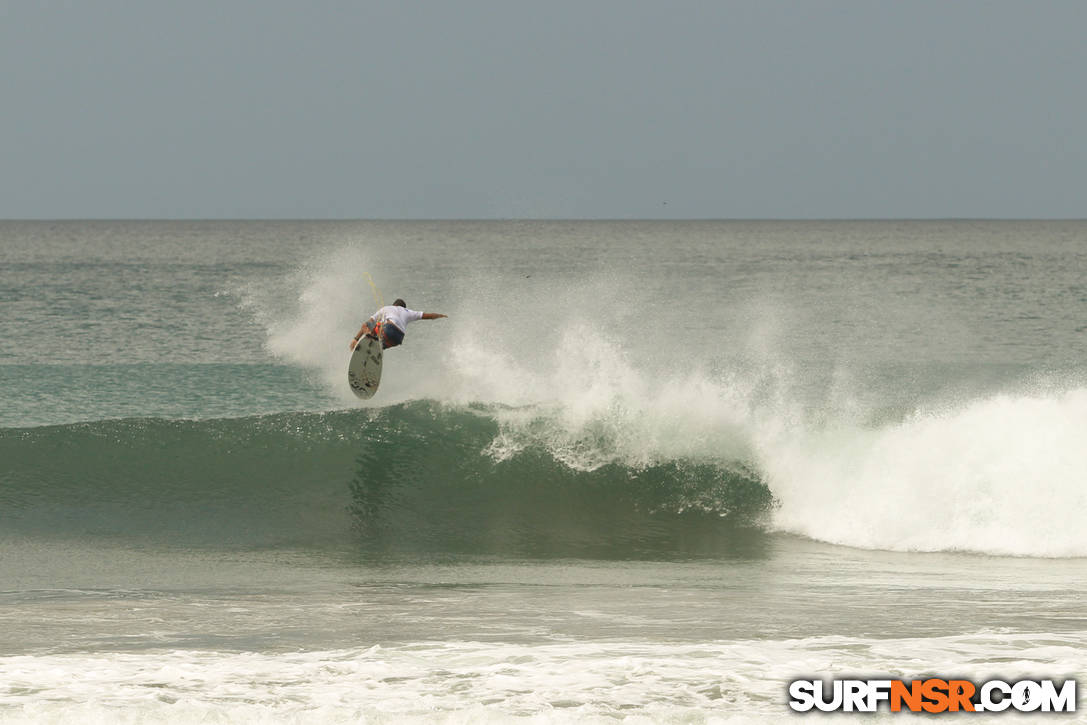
<point x="400" y="303"/>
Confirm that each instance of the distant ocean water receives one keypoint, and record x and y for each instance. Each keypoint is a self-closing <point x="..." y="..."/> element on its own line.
<point x="646" y="471"/>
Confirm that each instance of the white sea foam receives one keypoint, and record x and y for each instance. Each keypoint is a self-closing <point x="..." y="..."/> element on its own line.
<point x="1005" y="474"/>
<point x="461" y="682"/>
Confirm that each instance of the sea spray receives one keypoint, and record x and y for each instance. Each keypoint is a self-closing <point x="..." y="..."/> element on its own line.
<point x="1006" y="474"/>
<point x="561" y="367"/>
<point x="333" y="299"/>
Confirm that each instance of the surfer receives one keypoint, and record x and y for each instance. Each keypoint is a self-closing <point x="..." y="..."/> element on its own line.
<point x="389" y="322"/>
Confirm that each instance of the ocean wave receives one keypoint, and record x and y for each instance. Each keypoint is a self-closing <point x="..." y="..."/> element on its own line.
<point x="411" y="477"/>
<point x="607" y="474"/>
<point x="915" y="457"/>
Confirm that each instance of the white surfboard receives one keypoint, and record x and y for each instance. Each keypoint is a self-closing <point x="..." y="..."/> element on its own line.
<point x="364" y="369"/>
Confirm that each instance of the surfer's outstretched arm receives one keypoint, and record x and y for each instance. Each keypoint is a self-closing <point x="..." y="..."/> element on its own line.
<point x="433" y="315"/>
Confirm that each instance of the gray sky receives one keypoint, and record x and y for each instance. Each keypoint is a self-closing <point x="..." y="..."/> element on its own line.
<point x="563" y="108"/>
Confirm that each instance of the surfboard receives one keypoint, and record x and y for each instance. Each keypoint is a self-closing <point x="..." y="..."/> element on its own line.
<point x="364" y="368"/>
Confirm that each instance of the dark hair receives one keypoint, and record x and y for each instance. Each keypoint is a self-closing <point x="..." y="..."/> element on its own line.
<point x="400" y="303"/>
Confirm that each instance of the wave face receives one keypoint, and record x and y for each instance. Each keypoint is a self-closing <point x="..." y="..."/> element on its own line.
<point x="416" y="477"/>
<point x="999" y="475"/>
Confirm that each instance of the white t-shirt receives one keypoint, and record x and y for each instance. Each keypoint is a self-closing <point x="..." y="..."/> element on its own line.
<point x="399" y="316"/>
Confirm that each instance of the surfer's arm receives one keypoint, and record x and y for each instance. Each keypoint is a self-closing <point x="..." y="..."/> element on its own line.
<point x="366" y="326"/>
<point x="432" y="315"/>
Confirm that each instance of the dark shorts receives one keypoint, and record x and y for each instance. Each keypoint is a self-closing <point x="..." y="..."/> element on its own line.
<point x="391" y="335"/>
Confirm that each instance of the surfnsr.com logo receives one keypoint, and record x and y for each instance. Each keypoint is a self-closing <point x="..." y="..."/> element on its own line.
<point x="932" y="695"/>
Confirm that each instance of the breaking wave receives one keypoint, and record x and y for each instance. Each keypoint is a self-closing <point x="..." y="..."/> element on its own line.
<point x="412" y="477"/>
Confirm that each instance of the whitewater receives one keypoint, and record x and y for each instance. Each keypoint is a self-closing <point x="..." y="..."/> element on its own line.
<point x="645" y="471"/>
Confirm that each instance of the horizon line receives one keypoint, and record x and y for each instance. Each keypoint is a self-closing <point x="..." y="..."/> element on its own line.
<point x="540" y="219"/>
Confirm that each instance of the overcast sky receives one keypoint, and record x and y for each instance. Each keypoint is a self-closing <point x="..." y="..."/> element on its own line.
<point x="556" y="108"/>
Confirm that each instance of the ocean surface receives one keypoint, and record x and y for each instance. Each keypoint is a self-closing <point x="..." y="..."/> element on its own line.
<point x="644" y="472"/>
